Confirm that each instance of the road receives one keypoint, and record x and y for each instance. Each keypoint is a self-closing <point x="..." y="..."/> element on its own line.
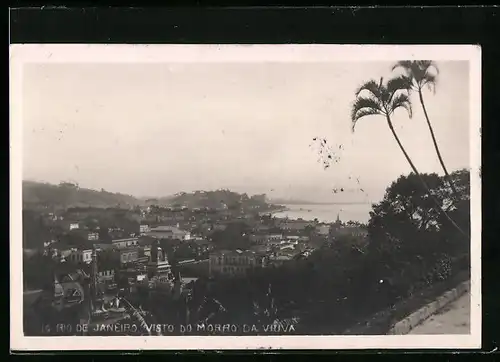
<point x="452" y="319"/>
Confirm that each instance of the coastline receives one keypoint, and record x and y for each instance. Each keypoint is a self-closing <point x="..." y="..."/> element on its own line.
<point x="274" y="210"/>
<point x="322" y="213"/>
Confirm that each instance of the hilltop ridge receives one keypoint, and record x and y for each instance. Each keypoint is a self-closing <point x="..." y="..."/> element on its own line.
<point x="65" y="195"/>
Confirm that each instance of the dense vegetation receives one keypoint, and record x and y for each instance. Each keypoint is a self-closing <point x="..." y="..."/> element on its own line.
<point x="218" y="199"/>
<point x="411" y="247"/>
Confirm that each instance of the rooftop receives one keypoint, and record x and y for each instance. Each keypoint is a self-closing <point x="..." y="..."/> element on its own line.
<point x="172" y="229"/>
<point x="123" y="240"/>
<point x="188" y="280"/>
<point x="236" y="252"/>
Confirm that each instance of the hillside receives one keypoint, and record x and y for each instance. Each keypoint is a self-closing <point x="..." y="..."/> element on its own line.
<point x="36" y="194"/>
<point x="216" y="199"/>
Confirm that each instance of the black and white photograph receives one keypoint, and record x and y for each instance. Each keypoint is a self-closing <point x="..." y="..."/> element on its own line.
<point x="262" y="196"/>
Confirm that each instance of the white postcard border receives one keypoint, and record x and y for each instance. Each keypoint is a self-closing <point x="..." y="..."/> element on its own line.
<point x="81" y="53"/>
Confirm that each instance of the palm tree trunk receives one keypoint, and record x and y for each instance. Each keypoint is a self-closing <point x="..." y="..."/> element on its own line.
<point x="447" y="175"/>
<point x="412" y="165"/>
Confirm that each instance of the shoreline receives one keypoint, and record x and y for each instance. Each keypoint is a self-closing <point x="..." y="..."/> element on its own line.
<point x="274" y="210"/>
<point x="309" y="213"/>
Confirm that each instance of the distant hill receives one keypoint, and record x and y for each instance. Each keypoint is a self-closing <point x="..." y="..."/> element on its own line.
<point x="64" y="195"/>
<point x="213" y="199"/>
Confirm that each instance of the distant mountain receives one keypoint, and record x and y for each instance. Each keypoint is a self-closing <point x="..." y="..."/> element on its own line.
<point x="64" y="195"/>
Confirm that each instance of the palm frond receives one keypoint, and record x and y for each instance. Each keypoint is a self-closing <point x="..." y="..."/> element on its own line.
<point x="395" y="85"/>
<point x="430" y="81"/>
<point x="364" y="103"/>
<point x="404" y="64"/>
<point x="401" y="101"/>
<point x="419" y="71"/>
<point x="363" y="113"/>
<point x="411" y="68"/>
<point x="427" y="65"/>
<point x="429" y="72"/>
<point x="398" y="83"/>
<point x="370" y="86"/>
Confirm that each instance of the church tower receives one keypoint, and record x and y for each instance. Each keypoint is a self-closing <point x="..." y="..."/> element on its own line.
<point x="158" y="262"/>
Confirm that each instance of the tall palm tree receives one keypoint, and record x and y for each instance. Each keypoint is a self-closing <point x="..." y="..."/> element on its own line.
<point x="381" y="99"/>
<point x="420" y="74"/>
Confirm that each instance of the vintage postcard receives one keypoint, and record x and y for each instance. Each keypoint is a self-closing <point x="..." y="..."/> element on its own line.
<point x="245" y="197"/>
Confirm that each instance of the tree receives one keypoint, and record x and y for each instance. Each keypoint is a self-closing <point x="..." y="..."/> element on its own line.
<point x="233" y="237"/>
<point x="405" y="229"/>
<point x="35" y="232"/>
<point x="381" y="99"/>
<point x="420" y="74"/>
<point x="38" y="272"/>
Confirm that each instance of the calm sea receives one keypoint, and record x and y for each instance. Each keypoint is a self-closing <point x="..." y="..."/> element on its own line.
<point x="327" y="213"/>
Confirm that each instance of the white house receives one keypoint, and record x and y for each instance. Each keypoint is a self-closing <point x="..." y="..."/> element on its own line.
<point x="143" y="229"/>
<point x="93" y="236"/>
<point x="125" y="243"/>
<point x="79" y="256"/>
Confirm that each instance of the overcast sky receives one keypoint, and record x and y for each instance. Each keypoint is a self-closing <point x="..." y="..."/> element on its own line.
<point x="158" y="129"/>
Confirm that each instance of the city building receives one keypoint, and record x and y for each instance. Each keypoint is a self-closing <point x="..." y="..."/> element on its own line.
<point x="288" y="246"/>
<point x="219" y="226"/>
<point x="279" y="260"/>
<point x="74" y="226"/>
<point x="64" y="254"/>
<point x="202" y="245"/>
<point x="144" y="229"/>
<point x="129" y="255"/>
<point x="274" y="237"/>
<point x="169" y="232"/>
<point x="238" y="262"/>
<point x="298" y="225"/>
<point x="92" y="236"/>
<point x="125" y="243"/>
<point x="68" y="290"/>
<point x="79" y="256"/>
<point x="158" y="261"/>
<point x="194" y="268"/>
<point x="355" y="231"/>
<point x="106" y="275"/>
<point x="261" y="228"/>
<point x="103" y="246"/>
<point x="322" y="229"/>
<point x="260" y="239"/>
<point x="339" y="229"/>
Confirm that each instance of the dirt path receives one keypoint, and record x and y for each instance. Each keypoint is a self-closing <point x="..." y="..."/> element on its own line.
<point x="453" y="319"/>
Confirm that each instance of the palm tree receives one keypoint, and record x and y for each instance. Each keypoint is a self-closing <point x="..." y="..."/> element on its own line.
<point x="381" y="99"/>
<point x="420" y="74"/>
